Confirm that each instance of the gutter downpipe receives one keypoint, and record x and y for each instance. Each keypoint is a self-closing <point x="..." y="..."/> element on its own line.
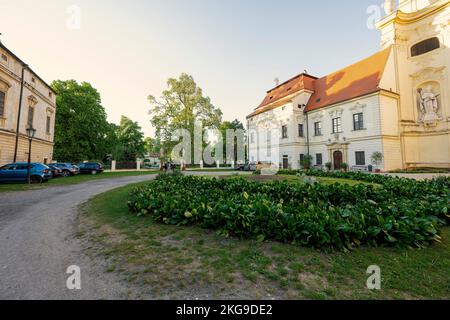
<point x="307" y="132"/>
<point x="24" y="67"/>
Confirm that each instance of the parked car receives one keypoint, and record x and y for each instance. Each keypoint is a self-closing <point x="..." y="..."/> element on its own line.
<point x="90" y="168"/>
<point x="249" y="166"/>
<point x="56" y="172"/>
<point x="18" y="172"/>
<point x="68" y="169"/>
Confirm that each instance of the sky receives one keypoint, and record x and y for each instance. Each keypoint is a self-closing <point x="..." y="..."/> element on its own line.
<point x="234" y="49"/>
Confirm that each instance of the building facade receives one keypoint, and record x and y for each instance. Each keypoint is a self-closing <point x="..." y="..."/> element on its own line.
<point x="37" y="108"/>
<point x="395" y="103"/>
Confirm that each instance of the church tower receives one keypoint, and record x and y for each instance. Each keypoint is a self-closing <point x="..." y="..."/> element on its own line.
<point x="419" y="33"/>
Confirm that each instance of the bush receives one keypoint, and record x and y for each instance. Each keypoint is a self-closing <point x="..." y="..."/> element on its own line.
<point x="403" y="212"/>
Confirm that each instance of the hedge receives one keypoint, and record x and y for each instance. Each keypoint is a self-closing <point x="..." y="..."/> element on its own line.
<point x="402" y="212"/>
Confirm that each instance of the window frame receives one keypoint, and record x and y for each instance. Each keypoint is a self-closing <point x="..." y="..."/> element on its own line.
<point x="2" y="107"/>
<point x="48" y="125"/>
<point x="358" y="158"/>
<point x="317" y="129"/>
<point x="301" y="130"/>
<point x="30" y="119"/>
<point x="337" y="125"/>
<point x="423" y="50"/>
<point x="319" y="156"/>
<point x="284" y="132"/>
<point x="358" y="124"/>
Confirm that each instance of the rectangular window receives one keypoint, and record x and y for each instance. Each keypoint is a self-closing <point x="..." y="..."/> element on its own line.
<point x="252" y="138"/>
<point x="337" y="125"/>
<point x="302" y="157"/>
<point x="319" y="160"/>
<point x="284" y="132"/>
<point x="300" y="131"/>
<point x="47" y="126"/>
<point x="2" y="104"/>
<point x="360" y="158"/>
<point x="285" y="162"/>
<point x="318" y="128"/>
<point x="358" y="121"/>
<point x="30" y="117"/>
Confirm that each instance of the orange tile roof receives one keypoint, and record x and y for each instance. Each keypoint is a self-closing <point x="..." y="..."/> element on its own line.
<point x="357" y="80"/>
<point x="276" y="96"/>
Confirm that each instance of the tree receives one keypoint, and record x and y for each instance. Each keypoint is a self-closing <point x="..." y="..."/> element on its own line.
<point x="233" y="125"/>
<point x="179" y="107"/>
<point x="81" y="126"/>
<point x="131" y="139"/>
<point x="152" y="146"/>
<point x="377" y="158"/>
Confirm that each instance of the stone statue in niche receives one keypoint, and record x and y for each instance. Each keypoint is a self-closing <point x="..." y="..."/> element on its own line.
<point x="428" y="106"/>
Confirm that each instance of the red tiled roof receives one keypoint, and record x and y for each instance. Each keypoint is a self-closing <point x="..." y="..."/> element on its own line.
<point x="278" y="94"/>
<point x="357" y="80"/>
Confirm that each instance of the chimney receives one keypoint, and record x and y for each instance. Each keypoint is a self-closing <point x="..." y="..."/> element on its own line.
<point x="277" y="82"/>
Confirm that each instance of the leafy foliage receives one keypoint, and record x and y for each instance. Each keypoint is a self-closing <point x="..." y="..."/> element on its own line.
<point x="180" y="106"/>
<point x="403" y="212"/>
<point x="131" y="139"/>
<point x="81" y="127"/>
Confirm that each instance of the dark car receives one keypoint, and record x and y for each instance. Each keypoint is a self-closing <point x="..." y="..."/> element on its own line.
<point x="56" y="172"/>
<point x="90" y="168"/>
<point x="249" y="166"/>
<point x="18" y="172"/>
<point x="68" y="169"/>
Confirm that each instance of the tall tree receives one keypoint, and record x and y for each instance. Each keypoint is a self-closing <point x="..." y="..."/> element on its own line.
<point x="179" y="107"/>
<point x="131" y="139"/>
<point x="152" y="146"/>
<point x="81" y="125"/>
<point x="233" y="125"/>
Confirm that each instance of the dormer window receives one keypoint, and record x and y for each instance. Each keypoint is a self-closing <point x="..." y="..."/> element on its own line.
<point x="425" y="46"/>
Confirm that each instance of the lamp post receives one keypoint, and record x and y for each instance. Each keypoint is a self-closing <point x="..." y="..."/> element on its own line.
<point x="30" y="133"/>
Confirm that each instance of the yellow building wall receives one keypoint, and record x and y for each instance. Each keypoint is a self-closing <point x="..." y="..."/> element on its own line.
<point x="40" y="150"/>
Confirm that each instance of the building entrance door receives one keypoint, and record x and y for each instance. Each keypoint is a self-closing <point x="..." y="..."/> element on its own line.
<point x="285" y="162"/>
<point x="337" y="160"/>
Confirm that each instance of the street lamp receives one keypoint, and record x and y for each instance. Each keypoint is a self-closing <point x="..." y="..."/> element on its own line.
<point x="31" y="132"/>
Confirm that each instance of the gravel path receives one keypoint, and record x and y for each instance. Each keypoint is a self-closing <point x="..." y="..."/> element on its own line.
<point x="38" y="243"/>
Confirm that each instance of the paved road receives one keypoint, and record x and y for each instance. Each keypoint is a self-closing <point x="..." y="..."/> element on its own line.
<point x="38" y="243"/>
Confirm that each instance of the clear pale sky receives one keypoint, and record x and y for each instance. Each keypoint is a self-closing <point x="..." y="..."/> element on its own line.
<point x="233" y="48"/>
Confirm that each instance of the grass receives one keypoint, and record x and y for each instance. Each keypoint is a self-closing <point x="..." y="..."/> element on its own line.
<point x="164" y="261"/>
<point x="295" y="179"/>
<point x="72" y="180"/>
<point x="212" y="170"/>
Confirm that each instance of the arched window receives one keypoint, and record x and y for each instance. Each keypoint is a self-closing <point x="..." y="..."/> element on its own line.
<point x="425" y="46"/>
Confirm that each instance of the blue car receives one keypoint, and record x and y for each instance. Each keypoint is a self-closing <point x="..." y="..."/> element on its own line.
<point x="17" y="172"/>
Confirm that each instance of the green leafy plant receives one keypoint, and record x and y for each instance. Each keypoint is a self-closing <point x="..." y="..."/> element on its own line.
<point x="402" y="212"/>
<point x="377" y="158"/>
<point x="306" y="162"/>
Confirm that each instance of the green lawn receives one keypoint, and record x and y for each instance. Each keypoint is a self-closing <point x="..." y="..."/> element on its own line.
<point x="164" y="261"/>
<point x="72" y="180"/>
<point x="211" y="170"/>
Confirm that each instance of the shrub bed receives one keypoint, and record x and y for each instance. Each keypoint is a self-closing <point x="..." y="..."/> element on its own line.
<point x="403" y="212"/>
